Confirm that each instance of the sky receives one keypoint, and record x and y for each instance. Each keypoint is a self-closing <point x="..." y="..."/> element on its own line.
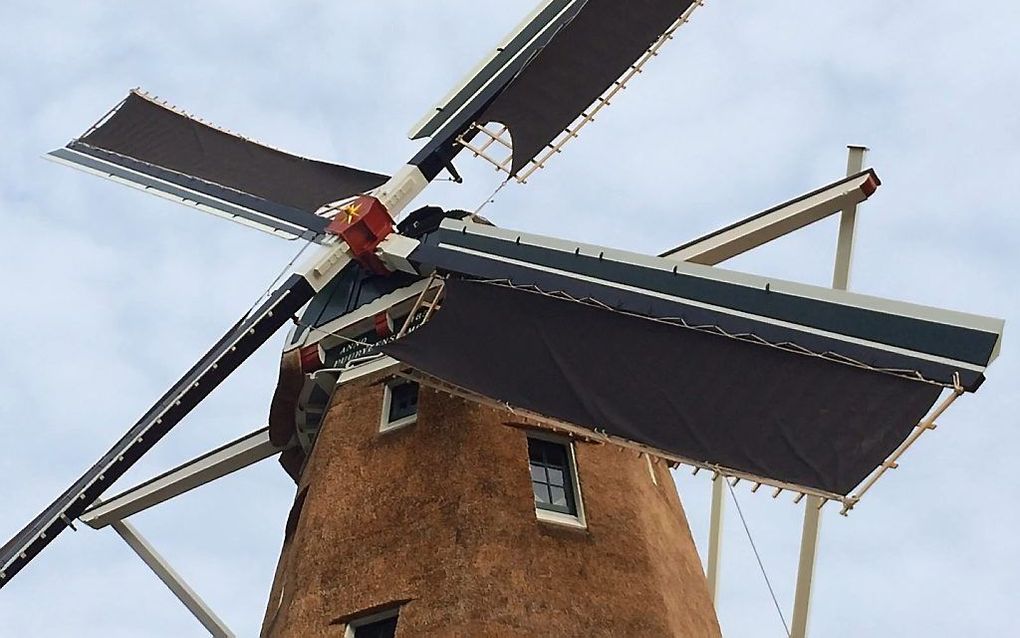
<point x="110" y="294"/>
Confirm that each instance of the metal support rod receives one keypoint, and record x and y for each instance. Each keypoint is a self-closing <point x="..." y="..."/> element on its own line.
<point x="761" y="228"/>
<point x="715" y="537"/>
<point x="806" y="566"/>
<point x="211" y="466"/>
<point x="812" y="508"/>
<point x="172" y="580"/>
<point x="847" y="224"/>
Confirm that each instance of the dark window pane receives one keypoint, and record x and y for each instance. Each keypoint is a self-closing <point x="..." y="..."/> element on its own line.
<point x="541" y="493"/>
<point x="555" y="454"/>
<point x="555" y="477"/>
<point x="535" y="451"/>
<point x="380" y="629"/>
<point x="403" y="400"/>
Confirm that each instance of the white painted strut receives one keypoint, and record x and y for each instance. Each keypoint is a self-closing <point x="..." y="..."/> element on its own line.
<point x="761" y="228"/>
<point x="195" y="473"/>
<point x="401" y="189"/>
<point x="715" y="537"/>
<point x="172" y="580"/>
<point x="847" y="225"/>
<point x="813" y="505"/>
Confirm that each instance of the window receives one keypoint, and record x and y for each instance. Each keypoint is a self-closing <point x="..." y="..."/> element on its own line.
<point x="400" y="405"/>
<point x="381" y="625"/>
<point x="554" y="480"/>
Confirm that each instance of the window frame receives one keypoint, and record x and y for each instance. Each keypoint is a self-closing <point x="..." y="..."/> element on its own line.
<point x="352" y="626"/>
<point x="577" y="520"/>
<point x="385" y="425"/>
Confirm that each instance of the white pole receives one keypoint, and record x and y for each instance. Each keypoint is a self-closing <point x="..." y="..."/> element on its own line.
<point x="806" y="566"/>
<point x="172" y="580"/>
<point x="847" y="224"/>
<point x="813" y="504"/>
<point x="213" y="465"/>
<point x="715" y="538"/>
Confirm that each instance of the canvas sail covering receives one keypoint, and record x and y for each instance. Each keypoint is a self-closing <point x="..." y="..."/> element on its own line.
<point x="785" y="416"/>
<point x="168" y="151"/>
<point x="575" y="67"/>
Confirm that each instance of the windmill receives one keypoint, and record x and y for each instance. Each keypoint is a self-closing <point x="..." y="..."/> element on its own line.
<point x="897" y="353"/>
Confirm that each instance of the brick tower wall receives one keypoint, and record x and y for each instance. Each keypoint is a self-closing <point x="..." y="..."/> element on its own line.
<point x="441" y="514"/>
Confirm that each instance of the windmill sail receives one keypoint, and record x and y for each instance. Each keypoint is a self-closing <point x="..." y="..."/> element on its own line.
<point x="796" y="384"/>
<point x="796" y="419"/>
<point x="505" y="60"/>
<point x="224" y="357"/>
<point x="925" y="343"/>
<point x="567" y="57"/>
<point x="576" y="67"/>
<point x="150" y="146"/>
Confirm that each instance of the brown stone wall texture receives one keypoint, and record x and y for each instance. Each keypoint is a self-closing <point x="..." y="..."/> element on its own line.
<point x="440" y="514"/>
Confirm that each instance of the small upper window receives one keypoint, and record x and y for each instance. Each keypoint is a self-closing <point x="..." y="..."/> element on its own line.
<point x="400" y="404"/>
<point x="554" y="480"/>
<point x="383" y="625"/>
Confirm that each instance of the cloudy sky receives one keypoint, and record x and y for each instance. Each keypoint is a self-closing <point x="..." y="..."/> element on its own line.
<point x="110" y="294"/>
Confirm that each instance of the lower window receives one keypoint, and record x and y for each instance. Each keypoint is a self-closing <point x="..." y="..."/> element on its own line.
<point x="381" y="625"/>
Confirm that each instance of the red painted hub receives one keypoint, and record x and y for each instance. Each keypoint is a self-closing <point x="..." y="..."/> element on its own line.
<point x="363" y="224"/>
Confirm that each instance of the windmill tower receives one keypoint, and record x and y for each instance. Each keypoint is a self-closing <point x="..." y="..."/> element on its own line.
<point x="479" y="420"/>
<point x="462" y="519"/>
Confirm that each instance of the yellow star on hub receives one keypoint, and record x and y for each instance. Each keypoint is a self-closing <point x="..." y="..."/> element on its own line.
<point x="352" y="211"/>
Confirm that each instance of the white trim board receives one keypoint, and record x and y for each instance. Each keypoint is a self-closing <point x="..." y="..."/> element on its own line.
<point x="180" y="195"/>
<point x="757" y="282"/>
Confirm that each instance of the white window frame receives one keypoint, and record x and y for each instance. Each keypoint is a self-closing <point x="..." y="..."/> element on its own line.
<point x="385" y="425"/>
<point x="559" y="518"/>
<point x="352" y="626"/>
